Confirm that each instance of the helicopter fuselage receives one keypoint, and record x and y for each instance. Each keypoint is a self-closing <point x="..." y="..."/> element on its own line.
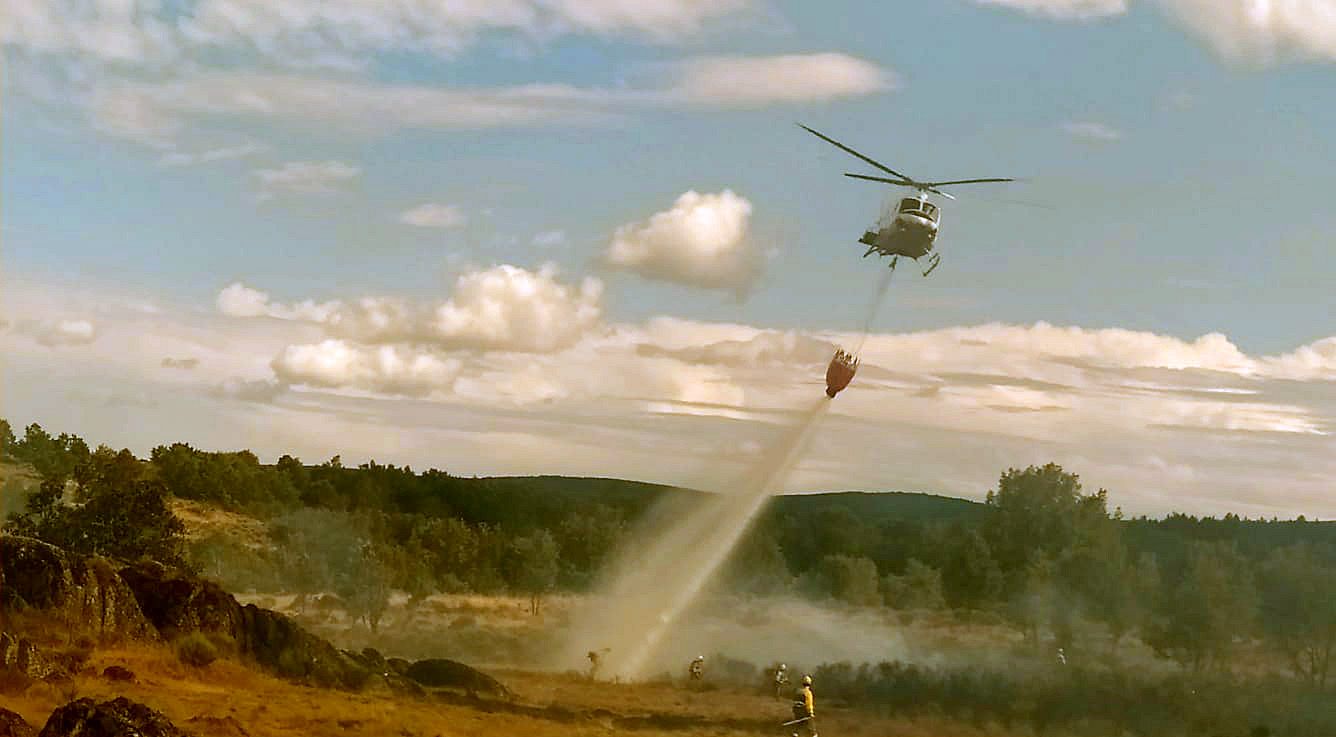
<point x="910" y="233"/>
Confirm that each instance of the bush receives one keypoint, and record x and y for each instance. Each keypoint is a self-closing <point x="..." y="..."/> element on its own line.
<point x="196" y="650"/>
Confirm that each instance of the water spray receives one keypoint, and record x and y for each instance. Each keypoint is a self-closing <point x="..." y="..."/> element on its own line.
<point x="650" y="591"/>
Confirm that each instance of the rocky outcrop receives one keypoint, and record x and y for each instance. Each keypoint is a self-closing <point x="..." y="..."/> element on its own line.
<point x="442" y="673"/>
<point x="71" y="590"/>
<point x="178" y="604"/>
<point x="117" y="718"/>
<point x="13" y="725"/>
<point x="152" y="601"/>
<point x="17" y="655"/>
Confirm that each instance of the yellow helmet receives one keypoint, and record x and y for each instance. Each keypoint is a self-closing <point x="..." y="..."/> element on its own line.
<point x="807" y="680"/>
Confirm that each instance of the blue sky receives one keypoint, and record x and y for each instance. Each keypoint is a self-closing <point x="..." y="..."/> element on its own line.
<point x="1175" y="155"/>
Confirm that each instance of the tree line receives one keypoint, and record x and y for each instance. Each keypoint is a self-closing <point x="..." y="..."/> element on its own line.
<point x="1041" y="552"/>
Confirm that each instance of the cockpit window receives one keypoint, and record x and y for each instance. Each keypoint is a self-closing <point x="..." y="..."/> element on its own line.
<point x="909" y="205"/>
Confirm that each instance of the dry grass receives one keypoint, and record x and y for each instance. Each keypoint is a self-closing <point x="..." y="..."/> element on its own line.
<point x="228" y="694"/>
<point x="206" y="520"/>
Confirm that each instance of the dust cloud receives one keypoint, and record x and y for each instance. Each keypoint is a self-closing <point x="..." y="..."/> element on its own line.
<point x="647" y="592"/>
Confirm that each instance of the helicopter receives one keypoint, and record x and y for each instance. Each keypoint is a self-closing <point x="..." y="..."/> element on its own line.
<point x="908" y="227"/>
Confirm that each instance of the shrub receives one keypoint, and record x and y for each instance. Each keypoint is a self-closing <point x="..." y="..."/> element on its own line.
<point x="196" y="650"/>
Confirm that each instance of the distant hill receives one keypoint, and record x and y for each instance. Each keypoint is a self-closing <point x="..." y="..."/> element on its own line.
<point x="878" y="506"/>
<point x="535" y="500"/>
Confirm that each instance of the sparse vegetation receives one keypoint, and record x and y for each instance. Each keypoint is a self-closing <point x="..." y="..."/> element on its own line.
<point x="195" y="650"/>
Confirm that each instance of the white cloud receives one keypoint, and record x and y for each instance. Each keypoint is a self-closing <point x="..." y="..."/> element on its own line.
<point x="209" y="156"/>
<point x="770" y="347"/>
<point x="1247" y="31"/>
<point x="1065" y="9"/>
<point x="1261" y="31"/>
<point x="750" y="81"/>
<point x="380" y="369"/>
<point x="306" y="177"/>
<point x="1315" y="361"/>
<point x="503" y="308"/>
<point x="156" y="112"/>
<point x="432" y="215"/>
<point x="66" y="332"/>
<point x="1092" y="132"/>
<point x="239" y="300"/>
<point x="331" y="33"/>
<point x="1163" y="422"/>
<point x="549" y="239"/>
<point x="702" y="241"/>
<point x="509" y="308"/>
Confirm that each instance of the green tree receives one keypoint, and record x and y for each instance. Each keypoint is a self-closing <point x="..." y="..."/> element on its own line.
<point x="1038" y="513"/>
<point x="1298" y="594"/>
<point x="1214" y="602"/>
<point x="121" y="511"/>
<point x="7" y="439"/>
<point x="533" y="565"/>
<point x="849" y="579"/>
<point x="919" y="587"/>
<point x="365" y="586"/>
<point x="970" y="576"/>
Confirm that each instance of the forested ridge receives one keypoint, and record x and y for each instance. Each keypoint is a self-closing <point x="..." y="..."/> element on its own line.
<point x="1041" y="552"/>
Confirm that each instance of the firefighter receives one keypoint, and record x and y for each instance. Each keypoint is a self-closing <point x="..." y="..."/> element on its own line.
<point x="697" y="668"/>
<point x="781" y="680"/>
<point x="804" y="707"/>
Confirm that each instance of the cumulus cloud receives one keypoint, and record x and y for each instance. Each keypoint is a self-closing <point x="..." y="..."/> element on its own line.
<point x="381" y="369"/>
<point x="702" y="241"/>
<point x="1164" y="422"/>
<point x="306" y="177"/>
<point x="1092" y="132"/>
<point x="509" y="308"/>
<point x="1261" y="31"/>
<point x="748" y="81"/>
<point x="239" y="300"/>
<point x="1245" y="31"/>
<point x="503" y="308"/>
<point x="1315" y="361"/>
<point x="432" y="215"/>
<point x="64" y="332"/>
<point x="1065" y="9"/>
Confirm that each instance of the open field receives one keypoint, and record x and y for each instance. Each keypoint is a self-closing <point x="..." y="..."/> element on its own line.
<point x="228" y="699"/>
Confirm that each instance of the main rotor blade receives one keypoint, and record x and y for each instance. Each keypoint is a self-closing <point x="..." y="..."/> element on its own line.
<point x="900" y="182"/>
<point x="846" y="149"/>
<point x="965" y="181"/>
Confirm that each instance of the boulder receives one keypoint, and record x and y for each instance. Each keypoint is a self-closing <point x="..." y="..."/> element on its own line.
<point x="179" y="604"/>
<point x="72" y="590"/>
<point x="442" y="673"/>
<point x="118" y="673"/>
<point x="18" y="655"/>
<point x="13" y="725"/>
<point x="117" y="718"/>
